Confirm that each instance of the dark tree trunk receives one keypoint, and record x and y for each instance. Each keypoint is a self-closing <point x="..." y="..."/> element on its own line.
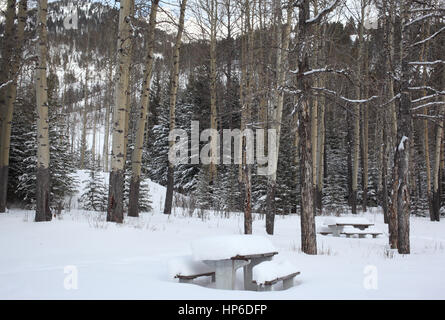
<point x="404" y="142"/>
<point x="247" y="201"/>
<point x="43" y="212"/>
<point x="133" y="201"/>
<point x="349" y="159"/>
<point x="3" y="187"/>
<point x="385" y="175"/>
<point x="270" y="206"/>
<point x="435" y="205"/>
<point x="115" y="211"/>
<point x="403" y="200"/>
<point x="169" y="193"/>
<point x="319" y="200"/>
<point x="392" y="222"/>
<point x="354" y="201"/>
<point x="308" y="236"/>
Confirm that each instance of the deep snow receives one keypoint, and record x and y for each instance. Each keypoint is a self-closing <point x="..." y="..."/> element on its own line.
<point x="130" y="261"/>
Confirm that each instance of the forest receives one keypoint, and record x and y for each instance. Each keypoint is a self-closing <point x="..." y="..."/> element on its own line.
<point x="353" y="91"/>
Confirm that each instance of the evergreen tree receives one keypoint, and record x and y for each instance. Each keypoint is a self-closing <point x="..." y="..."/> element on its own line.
<point x="95" y="195"/>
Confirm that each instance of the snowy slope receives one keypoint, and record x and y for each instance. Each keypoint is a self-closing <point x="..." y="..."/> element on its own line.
<point x="157" y="192"/>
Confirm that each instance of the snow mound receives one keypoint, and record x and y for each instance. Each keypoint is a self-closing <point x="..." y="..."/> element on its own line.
<point x="225" y="247"/>
<point x="351" y="229"/>
<point x="271" y="270"/>
<point x="346" y="220"/>
<point x="185" y="265"/>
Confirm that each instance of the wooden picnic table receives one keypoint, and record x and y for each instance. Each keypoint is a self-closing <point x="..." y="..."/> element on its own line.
<point x="225" y="269"/>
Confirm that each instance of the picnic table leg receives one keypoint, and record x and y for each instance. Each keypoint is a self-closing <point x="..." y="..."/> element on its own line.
<point x="336" y="231"/>
<point x="288" y="283"/>
<point x="225" y="272"/>
<point x="248" y="275"/>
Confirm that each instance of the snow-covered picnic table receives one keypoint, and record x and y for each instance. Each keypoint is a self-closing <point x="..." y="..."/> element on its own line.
<point x="348" y="226"/>
<point x="228" y="253"/>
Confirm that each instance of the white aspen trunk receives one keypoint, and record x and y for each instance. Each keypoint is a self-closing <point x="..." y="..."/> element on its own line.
<point x="133" y="207"/>
<point x="5" y="76"/>
<point x="173" y="96"/>
<point x="43" y="212"/>
<point x="116" y="185"/>
<point x="107" y="121"/>
<point x="277" y="114"/>
<point x="8" y="96"/>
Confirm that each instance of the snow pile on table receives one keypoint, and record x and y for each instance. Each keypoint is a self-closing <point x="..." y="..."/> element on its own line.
<point x="271" y="270"/>
<point x="225" y="247"/>
<point x="187" y="266"/>
<point x="351" y="229"/>
<point x="324" y="229"/>
<point x="346" y="220"/>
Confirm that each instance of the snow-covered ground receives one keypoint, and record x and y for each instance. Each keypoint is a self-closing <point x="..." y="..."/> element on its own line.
<point x="130" y="261"/>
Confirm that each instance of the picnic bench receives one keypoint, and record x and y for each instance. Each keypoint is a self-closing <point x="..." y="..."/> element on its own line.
<point x="269" y="273"/>
<point x="189" y="278"/>
<point x="186" y="269"/>
<point x="349" y="226"/>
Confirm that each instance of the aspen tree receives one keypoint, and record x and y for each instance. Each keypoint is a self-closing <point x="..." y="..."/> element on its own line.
<point x="283" y="39"/>
<point x="8" y="96"/>
<point x="116" y="182"/>
<point x="133" y="207"/>
<point x="43" y="212"/>
<point x="173" y="95"/>
<point x="107" y="118"/>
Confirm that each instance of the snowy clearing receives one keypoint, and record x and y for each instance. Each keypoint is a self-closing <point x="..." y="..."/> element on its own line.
<point x="130" y="261"/>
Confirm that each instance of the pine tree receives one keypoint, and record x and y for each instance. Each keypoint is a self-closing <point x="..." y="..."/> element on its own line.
<point x="95" y="195"/>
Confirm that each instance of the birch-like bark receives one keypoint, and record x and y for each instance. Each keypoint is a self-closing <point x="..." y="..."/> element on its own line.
<point x="107" y="118"/>
<point x="115" y="210"/>
<point x="9" y="96"/>
<point x="277" y="114"/>
<point x="4" y="78"/>
<point x="173" y="94"/>
<point x="133" y="206"/>
<point x="43" y="212"/>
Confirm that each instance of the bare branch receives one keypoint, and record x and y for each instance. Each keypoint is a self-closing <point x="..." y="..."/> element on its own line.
<point x="434" y="103"/>
<point x="429" y="38"/>
<point x="323" y="13"/>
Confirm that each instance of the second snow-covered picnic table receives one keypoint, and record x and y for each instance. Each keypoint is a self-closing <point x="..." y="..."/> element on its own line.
<point x="226" y="254"/>
<point x="349" y="226"/>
